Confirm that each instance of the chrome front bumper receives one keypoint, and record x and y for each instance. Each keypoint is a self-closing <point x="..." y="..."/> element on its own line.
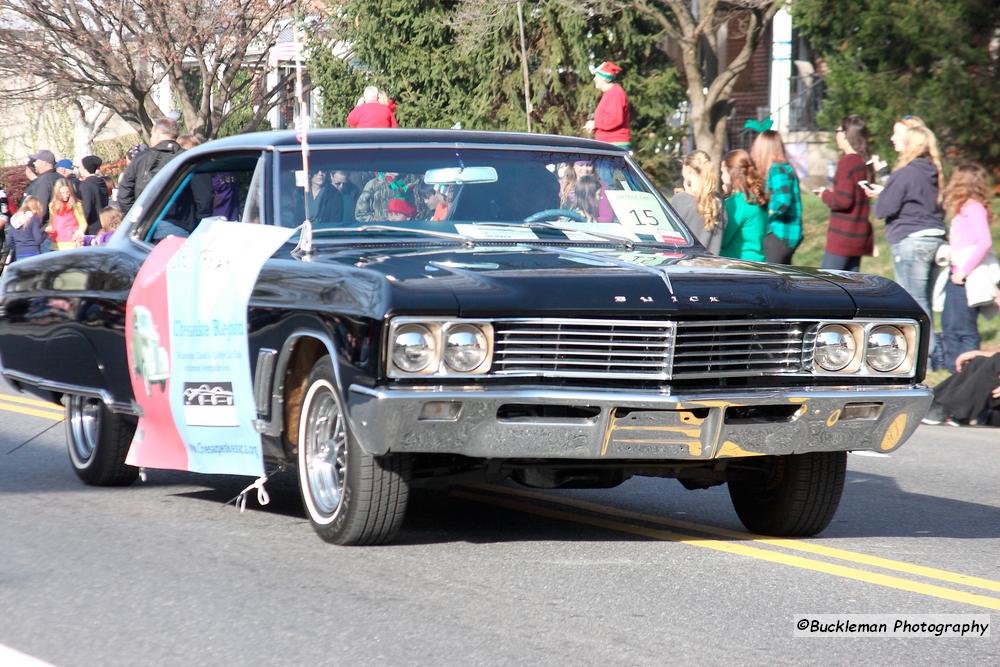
<point x="638" y="425"/>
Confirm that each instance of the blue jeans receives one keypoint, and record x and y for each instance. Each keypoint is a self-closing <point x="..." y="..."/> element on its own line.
<point x="840" y="262"/>
<point x="913" y="264"/>
<point x="959" y="329"/>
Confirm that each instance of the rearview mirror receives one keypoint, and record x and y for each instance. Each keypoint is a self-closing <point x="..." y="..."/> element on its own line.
<point x="460" y="175"/>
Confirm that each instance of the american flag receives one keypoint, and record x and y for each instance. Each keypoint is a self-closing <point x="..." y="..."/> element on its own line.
<point x="285" y="48"/>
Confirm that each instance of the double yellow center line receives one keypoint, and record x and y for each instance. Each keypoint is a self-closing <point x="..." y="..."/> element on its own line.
<point x="768" y="549"/>
<point x="31" y="406"/>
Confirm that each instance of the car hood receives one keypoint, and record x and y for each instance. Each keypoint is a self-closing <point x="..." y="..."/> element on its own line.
<point x="525" y="279"/>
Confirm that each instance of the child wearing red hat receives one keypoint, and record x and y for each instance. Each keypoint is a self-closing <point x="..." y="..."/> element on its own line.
<point x="400" y="209"/>
<point x="611" y="117"/>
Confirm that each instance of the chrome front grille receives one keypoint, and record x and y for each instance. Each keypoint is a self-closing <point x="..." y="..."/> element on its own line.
<point x="740" y="347"/>
<point x="583" y="348"/>
<point x="650" y="350"/>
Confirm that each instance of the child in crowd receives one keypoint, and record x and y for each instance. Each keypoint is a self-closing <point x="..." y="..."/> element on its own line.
<point x="25" y="229"/>
<point x="66" y="217"/>
<point x="784" y="208"/>
<point x="967" y="203"/>
<point x="746" y="208"/>
<point x="699" y="204"/>
<point x="111" y="219"/>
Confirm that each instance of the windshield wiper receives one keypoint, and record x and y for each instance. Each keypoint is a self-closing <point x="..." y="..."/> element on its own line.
<point x="627" y="243"/>
<point x="467" y="241"/>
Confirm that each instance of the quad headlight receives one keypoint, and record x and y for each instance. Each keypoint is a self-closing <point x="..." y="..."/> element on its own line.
<point x="887" y="348"/>
<point x="414" y="347"/>
<point x="465" y="347"/>
<point x="866" y="347"/>
<point x="442" y="348"/>
<point x="835" y="347"/>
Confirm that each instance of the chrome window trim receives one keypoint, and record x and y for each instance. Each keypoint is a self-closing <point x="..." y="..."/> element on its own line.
<point x="616" y="152"/>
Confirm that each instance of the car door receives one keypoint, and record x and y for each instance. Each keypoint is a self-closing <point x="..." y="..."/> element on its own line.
<point x="63" y="323"/>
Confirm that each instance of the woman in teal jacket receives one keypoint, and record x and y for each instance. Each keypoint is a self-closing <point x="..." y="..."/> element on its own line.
<point x="746" y="208"/>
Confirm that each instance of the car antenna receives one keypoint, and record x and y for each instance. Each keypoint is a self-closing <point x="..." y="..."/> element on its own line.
<point x="305" y="243"/>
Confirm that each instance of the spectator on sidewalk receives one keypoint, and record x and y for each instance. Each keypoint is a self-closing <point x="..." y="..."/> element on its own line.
<point x="66" y="171"/>
<point x="784" y="202"/>
<point x="966" y="202"/>
<point x="746" y="208"/>
<point x="972" y="395"/>
<point x="66" y="218"/>
<point x="140" y="171"/>
<point x="849" y="234"/>
<point x="42" y="163"/>
<point x="371" y="112"/>
<point x="914" y="222"/>
<point x="699" y="204"/>
<point x="93" y="192"/>
<point x="111" y="220"/>
<point x="24" y="231"/>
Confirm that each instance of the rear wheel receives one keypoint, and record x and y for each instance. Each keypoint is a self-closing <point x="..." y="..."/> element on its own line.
<point x="351" y="497"/>
<point x="790" y="496"/>
<point x="98" y="441"/>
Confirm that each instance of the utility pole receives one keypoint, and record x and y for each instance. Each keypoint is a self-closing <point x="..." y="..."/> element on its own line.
<point x="524" y="64"/>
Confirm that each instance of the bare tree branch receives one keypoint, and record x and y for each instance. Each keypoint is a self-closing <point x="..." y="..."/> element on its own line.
<point x="116" y="51"/>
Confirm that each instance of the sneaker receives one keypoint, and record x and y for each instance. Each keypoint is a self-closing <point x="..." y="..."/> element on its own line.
<point x="936" y="415"/>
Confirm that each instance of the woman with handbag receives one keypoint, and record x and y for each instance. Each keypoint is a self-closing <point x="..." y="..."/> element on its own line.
<point x="966" y="202"/>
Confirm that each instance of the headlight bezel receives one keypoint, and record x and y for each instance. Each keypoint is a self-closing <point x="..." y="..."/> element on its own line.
<point x="439" y="329"/>
<point x="862" y="331"/>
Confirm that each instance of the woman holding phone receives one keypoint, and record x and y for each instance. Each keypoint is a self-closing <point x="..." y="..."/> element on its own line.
<point x="849" y="234"/>
<point x="910" y="203"/>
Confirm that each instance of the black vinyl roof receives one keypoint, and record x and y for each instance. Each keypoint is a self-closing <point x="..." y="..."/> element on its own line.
<point x="333" y="137"/>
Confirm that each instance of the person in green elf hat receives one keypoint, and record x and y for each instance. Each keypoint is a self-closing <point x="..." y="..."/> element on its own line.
<point x="373" y="202"/>
<point x="611" y="117"/>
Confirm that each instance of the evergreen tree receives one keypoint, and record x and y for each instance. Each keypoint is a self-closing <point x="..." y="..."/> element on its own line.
<point x="446" y="62"/>
<point x="928" y="58"/>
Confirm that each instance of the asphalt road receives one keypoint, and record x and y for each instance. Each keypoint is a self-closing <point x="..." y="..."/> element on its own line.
<point x="163" y="573"/>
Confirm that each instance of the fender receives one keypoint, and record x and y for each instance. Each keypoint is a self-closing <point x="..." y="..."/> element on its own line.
<point x="271" y="374"/>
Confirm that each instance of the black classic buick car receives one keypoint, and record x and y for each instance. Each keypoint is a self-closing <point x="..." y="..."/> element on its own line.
<point x="447" y="314"/>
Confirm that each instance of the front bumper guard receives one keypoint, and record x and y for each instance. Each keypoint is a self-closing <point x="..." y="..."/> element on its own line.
<point x="635" y="425"/>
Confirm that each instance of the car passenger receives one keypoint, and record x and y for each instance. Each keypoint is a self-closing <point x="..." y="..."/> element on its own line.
<point x="349" y="192"/>
<point x="399" y="209"/>
<point x="588" y="196"/>
<point x="373" y="202"/>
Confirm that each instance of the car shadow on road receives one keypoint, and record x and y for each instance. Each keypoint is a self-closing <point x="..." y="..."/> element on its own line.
<point x="872" y="506"/>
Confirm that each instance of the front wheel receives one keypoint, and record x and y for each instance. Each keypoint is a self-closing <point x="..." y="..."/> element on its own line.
<point x="351" y="497"/>
<point x="98" y="441"/>
<point x="790" y="496"/>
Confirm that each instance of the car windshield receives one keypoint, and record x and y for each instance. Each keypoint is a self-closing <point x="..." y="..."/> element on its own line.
<point x="478" y="193"/>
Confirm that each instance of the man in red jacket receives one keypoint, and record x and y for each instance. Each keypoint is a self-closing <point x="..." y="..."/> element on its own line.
<point x="371" y="112"/>
<point x="611" y="118"/>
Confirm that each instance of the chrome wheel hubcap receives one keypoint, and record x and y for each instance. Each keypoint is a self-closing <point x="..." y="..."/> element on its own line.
<point x="85" y="425"/>
<point x="326" y="452"/>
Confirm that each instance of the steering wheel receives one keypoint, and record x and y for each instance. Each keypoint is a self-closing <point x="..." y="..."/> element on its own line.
<point x="555" y="213"/>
